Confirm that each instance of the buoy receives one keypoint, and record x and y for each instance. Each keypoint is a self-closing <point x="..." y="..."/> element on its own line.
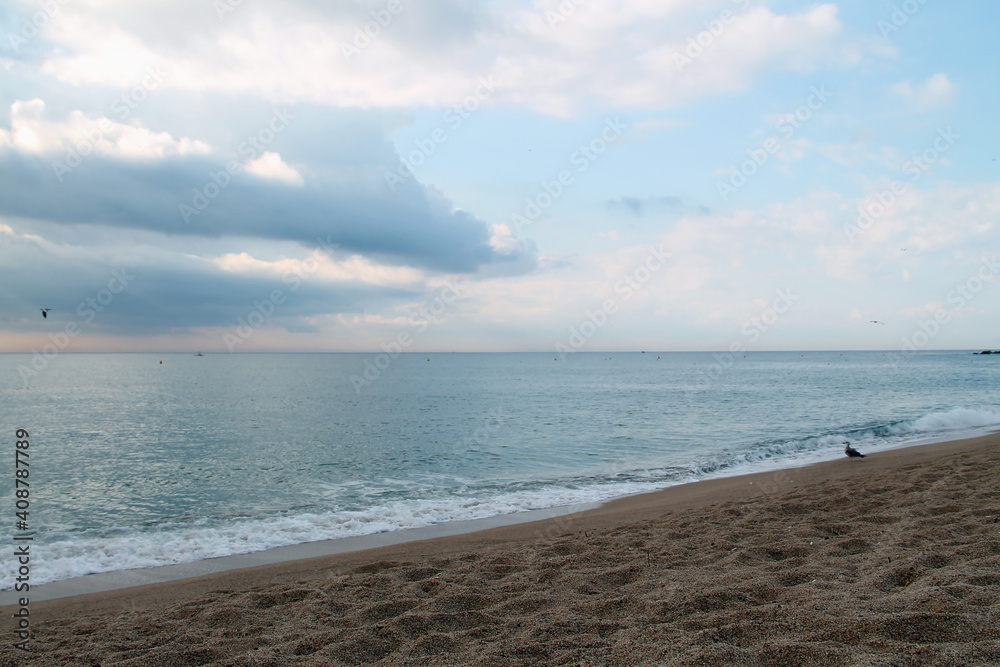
<point x="161" y="362"/>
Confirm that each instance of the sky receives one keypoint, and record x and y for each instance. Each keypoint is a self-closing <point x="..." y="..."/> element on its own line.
<point x="511" y="175"/>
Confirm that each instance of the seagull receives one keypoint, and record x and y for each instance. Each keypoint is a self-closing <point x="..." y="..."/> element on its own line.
<point x="851" y="452"/>
<point x="45" y="312"/>
<point x="877" y="322"/>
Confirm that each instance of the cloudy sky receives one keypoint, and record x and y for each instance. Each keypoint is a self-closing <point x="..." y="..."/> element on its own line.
<point x="249" y="175"/>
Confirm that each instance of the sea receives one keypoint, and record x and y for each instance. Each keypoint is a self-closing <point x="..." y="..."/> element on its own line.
<point x="144" y="460"/>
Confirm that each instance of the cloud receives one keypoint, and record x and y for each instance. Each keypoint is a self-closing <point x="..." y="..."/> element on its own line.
<point x="182" y="187"/>
<point x="32" y="133"/>
<point x="934" y="225"/>
<point x="937" y="91"/>
<point x="270" y="165"/>
<point x="322" y="266"/>
<point x="169" y="292"/>
<point x="305" y="53"/>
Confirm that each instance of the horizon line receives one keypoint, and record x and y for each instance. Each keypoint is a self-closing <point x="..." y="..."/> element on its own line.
<point x="425" y="352"/>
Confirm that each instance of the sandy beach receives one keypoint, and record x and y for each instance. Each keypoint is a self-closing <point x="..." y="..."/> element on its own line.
<point x="893" y="559"/>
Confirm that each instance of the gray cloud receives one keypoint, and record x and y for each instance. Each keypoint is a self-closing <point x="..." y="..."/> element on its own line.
<point x="163" y="296"/>
<point x="641" y="205"/>
<point x="345" y="201"/>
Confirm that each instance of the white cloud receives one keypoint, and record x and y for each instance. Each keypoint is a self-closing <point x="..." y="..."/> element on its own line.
<point x="270" y="165"/>
<point x="503" y="240"/>
<point x="936" y="91"/>
<point x="320" y="266"/>
<point x="31" y="132"/>
<point x="928" y="223"/>
<point x="298" y="57"/>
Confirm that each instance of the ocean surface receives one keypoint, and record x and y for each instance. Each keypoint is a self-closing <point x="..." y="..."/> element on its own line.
<point x="136" y="464"/>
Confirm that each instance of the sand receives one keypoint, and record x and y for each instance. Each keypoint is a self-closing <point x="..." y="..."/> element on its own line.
<point x="889" y="560"/>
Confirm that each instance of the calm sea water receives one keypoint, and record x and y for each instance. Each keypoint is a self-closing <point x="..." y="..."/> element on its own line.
<point x="135" y="463"/>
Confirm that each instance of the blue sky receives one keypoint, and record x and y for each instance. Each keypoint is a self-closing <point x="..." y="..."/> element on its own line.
<point x="637" y="174"/>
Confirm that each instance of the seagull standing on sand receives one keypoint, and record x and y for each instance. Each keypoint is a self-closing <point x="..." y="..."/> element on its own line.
<point x="851" y="452"/>
<point x="45" y="312"/>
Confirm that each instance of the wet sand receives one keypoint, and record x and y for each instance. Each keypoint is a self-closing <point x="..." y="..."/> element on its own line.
<point x="893" y="559"/>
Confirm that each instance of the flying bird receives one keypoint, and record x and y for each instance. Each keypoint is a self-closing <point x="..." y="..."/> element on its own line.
<point x="851" y="452"/>
<point x="876" y="322"/>
<point x="45" y="312"/>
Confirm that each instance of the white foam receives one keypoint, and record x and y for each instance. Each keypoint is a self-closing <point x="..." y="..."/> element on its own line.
<point x="956" y="419"/>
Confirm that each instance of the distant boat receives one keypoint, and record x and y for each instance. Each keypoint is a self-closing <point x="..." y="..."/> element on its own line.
<point x="199" y="355"/>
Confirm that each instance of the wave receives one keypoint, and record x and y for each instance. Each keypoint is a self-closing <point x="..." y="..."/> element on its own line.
<point x="402" y="505"/>
<point x="956" y="419"/>
<point x="871" y="437"/>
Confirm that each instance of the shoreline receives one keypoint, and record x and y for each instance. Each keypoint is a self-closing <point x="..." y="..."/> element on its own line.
<point x="133" y="578"/>
<point x="142" y="586"/>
